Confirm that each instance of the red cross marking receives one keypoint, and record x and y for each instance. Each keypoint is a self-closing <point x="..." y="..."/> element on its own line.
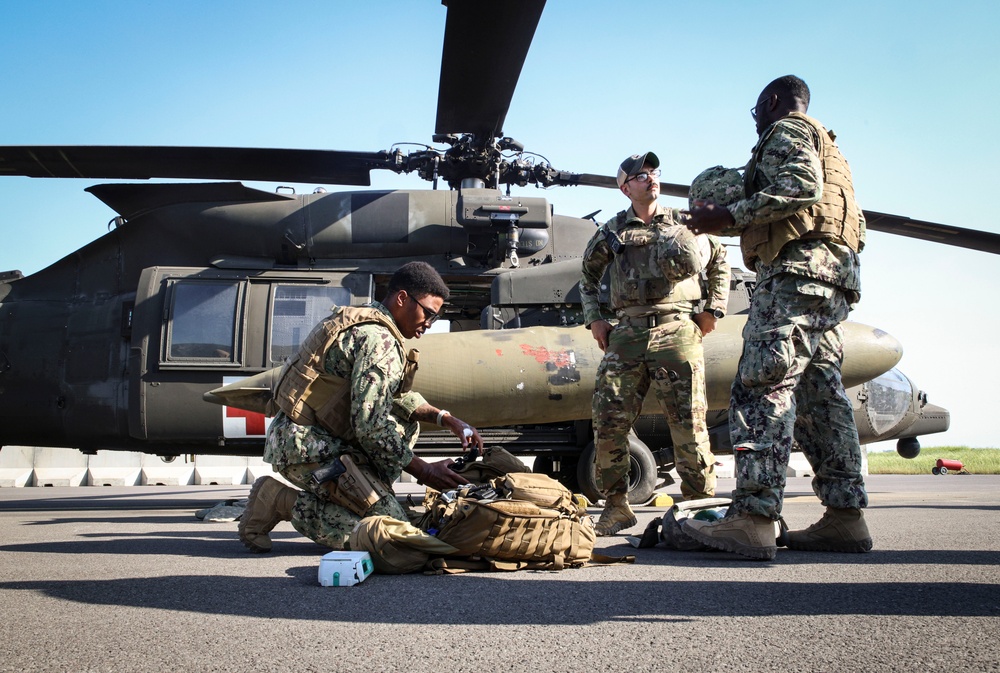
<point x="254" y="419"/>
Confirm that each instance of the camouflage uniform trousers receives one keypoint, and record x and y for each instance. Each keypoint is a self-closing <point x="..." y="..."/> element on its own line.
<point x="788" y="391"/>
<point x="671" y="359"/>
<point x="313" y="514"/>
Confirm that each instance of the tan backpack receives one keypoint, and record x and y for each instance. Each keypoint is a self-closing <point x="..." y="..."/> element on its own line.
<point x="496" y="462"/>
<point x="516" y="521"/>
<point x="396" y="547"/>
<point x="519" y="520"/>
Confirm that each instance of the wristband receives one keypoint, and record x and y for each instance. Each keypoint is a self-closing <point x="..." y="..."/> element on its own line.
<point x="441" y="416"/>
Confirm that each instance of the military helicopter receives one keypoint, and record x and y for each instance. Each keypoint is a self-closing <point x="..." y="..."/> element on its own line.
<point x="202" y="290"/>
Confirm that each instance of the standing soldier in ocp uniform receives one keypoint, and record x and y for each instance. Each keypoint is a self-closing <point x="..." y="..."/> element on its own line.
<point x="656" y="293"/>
<point x="801" y="230"/>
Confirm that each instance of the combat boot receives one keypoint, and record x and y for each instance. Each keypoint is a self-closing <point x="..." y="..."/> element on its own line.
<point x="269" y="502"/>
<point x="617" y="515"/>
<point x="749" y="535"/>
<point x="840" y="530"/>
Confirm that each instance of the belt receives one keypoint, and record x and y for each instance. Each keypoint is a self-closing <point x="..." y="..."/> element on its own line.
<point x="651" y="321"/>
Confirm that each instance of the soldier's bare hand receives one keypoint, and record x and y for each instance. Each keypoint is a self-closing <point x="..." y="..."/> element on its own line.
<point x="440" y="476"/>
<point x="601" y="329"/>
<point x="706" y="322"/>
<point x="709" y="218"/>
<point x="469" y="435"/>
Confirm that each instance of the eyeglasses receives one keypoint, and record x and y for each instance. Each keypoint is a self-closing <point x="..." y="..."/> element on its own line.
<point x="430" y="317"/>
<point x="645" y="175"/>
<point x="753" y="110"/>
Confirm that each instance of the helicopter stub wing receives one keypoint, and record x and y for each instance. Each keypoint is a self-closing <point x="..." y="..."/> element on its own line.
<point x="485" y="44"/>
<point x="215" y="163"/>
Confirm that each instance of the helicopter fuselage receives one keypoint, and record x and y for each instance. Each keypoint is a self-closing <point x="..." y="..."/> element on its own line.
<point x="203" y="285"/>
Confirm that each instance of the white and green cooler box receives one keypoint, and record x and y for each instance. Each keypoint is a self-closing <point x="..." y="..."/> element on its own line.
<point x="344" y="568"/>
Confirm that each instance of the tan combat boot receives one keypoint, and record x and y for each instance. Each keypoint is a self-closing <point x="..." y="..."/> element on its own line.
<point x="617" y="515"/>
<point x="269" y="502"/>
<point x="840" y="530"/>
<point x="745" y="534"/>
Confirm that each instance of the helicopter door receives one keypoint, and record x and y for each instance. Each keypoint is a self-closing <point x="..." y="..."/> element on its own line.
<point x="195" y="329"/>
<point x="293" y="309"/>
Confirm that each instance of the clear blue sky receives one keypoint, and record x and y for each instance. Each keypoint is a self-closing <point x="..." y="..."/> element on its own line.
<point x="911" y="88"/>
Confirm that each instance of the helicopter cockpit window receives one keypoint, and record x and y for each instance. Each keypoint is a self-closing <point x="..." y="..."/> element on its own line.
<point x="203" y="321"/>
<point x="296" y="310"/>
<point x="889" y="399"/>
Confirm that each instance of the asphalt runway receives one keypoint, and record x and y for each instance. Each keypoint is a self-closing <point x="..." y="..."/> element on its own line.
<point x="127" y="579"/>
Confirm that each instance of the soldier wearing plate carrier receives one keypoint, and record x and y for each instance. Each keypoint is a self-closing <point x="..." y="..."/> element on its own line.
<point x="668" y="289"/>
<point x="801" y="230"/>
<point x="348" y="420"/>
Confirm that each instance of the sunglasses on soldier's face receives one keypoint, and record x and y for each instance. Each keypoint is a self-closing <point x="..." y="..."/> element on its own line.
<point x="430" y="317"/>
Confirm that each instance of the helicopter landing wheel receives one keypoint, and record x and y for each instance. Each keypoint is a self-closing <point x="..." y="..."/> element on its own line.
<point x="641" y="476"/>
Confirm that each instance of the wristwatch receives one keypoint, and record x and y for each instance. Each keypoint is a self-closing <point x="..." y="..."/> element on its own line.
<point x="718" y="313"/>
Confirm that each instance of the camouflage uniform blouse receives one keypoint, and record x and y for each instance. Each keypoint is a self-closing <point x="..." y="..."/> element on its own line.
<point x="372" y="359"/>
<point x="597" y="257"/>
<point x="789" y="178"/>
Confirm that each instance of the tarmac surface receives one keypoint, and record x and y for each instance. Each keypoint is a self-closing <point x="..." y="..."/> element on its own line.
<point x="127" y="579"/>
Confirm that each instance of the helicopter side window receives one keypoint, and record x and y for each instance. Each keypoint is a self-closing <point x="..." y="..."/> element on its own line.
<point x="296" y="310"/>
<point x="203" y="321"/>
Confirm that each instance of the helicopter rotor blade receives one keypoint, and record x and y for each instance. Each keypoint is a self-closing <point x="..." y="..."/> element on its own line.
<point x="567" y="179"/>
<point x="485" y="44"/>
<point x="934" y="232"/>
<point x="673" y="189"/>
<point x="973" y="239"/>
<point x="216" y="163"/>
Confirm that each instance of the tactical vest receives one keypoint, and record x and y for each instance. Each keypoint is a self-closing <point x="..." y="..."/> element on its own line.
<point x="636" y="277"/>
<point x="309" y="395"/>
<point x="835" y="216"/>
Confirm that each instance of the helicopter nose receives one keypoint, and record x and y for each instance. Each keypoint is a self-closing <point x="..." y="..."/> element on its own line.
<point x="868" y="352"/>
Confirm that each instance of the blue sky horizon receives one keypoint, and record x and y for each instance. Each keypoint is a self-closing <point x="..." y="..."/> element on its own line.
<point x="910" y="88"/>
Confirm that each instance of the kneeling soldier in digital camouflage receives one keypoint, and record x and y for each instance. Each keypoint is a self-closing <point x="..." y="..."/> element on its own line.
<point x="660" y="276"/>
<point x="348" y="419"/>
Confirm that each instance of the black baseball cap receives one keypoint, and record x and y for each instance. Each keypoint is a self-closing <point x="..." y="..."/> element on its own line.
<point x="634" y="165"/>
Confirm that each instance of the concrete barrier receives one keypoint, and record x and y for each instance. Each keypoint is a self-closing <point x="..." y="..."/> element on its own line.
<point x="114" y="468"/>
<point x="56" y="467"/>
<point x="22" y="466"/>
<point x="17" y="466"/>
<point x="256" y="468"/>
<point x="220" y="470"/>
<point x="156" y="472"/>
<point x="725" y="467"/>
<point x="798" y="466"/>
